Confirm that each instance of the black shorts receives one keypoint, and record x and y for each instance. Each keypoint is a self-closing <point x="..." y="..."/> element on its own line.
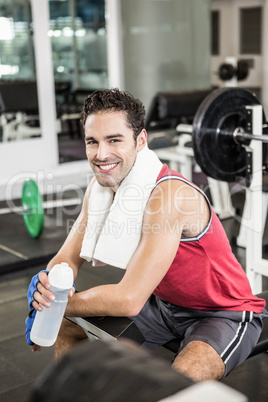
<point x="233" y="334"/>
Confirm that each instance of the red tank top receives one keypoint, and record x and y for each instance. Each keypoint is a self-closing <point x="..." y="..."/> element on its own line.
<point x="205" y="274"/>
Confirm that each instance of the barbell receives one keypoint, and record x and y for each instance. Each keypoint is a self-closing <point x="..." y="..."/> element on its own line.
<point x="220" y="132"/>
<point x="227" y="71"/>
<point x="32" y="207"/>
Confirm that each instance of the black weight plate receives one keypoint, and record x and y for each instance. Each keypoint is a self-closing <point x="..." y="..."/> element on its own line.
<point x="216" y="152"/>
<point x="226" y="72"/>
<point x="242" y="70"/>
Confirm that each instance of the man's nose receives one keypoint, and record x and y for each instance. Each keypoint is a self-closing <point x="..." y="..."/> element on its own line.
<point x="103" y="152"/>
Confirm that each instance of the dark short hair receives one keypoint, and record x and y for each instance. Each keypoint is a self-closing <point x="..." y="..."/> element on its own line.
<point x="114" y="100"/>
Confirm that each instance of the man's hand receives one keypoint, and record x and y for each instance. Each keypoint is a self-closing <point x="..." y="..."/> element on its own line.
<point x="41" y="295"/>
<point x="38" y="293"/>
<point x="29" y="323"/>
<point x="32" y="292"/>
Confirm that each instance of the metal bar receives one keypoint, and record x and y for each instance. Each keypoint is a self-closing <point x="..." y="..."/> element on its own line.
<point x="184" y="128"/>
<point x="261" y="267"/>
<point x="237" y="134"/>
<point x="254" y="199"/>
<point x="246" y="136"/>
<point x="61" y="203"/>
<point x="46" y="205"/>
<point x="5" y="211"/>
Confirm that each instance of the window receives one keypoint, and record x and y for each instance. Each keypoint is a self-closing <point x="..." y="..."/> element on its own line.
<point x="16" y="42"/>
<point x="215" y="33"/>
<point x="78" y="37"/>
<point x="250" y="30"/>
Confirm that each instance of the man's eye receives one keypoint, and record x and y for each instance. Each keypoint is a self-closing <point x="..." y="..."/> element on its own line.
<point x="91" y="142"/>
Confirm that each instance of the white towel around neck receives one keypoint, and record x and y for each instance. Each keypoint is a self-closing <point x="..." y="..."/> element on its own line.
<point x="115" y="219"/>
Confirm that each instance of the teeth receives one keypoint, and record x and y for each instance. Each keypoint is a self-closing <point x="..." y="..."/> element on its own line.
<point x="107" y="167"/>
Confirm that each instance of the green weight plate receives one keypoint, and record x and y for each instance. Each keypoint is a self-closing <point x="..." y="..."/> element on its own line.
<point x="216" y="152"/>
<point x="32" y="205"/>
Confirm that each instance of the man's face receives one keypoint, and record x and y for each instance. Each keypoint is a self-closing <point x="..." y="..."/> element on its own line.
<point x="110" y="147"/>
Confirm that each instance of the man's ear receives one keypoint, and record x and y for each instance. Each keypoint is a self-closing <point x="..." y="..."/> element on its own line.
<point x="141" y="140"/>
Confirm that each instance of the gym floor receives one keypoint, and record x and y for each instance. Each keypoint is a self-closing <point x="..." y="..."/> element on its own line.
<point x="21" y="257"/>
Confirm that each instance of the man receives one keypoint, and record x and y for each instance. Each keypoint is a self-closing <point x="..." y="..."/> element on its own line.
<point x="182" y="279"/>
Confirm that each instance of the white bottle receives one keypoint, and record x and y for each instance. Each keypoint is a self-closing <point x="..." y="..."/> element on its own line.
<point x="47" y="322"/>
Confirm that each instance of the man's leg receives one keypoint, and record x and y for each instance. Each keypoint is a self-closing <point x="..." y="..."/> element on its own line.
<point x="152" y="326"/>
<point x="200" y="362"/>
<point x="214" y="346"/>
<point x="70" y="335"/>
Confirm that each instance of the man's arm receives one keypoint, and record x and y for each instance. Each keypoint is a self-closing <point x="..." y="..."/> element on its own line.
<point x="69" y="252"/>
<point x="173" y="209"/>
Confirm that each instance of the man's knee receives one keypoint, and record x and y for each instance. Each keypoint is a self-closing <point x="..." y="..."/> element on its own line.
<point x="200" y="362"/>
<point x="70" y="330"/>
<point x="69" y="335"/>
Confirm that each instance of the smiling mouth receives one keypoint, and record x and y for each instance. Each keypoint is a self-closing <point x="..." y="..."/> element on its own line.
<point x="107" y="167"/>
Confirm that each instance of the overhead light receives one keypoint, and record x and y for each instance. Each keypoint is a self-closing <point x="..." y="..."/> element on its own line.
<point x="67" y="31"/>
<point x="57" y="33"/>
<point x="80" y="32"/>
<point x="6" y="69"/>
<point x="7" y="28"/>
<point x="101" y="31"/>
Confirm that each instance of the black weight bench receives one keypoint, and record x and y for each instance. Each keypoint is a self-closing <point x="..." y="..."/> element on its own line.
<point x="106" y="328"/>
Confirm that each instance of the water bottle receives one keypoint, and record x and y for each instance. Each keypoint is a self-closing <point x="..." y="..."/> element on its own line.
<point x="47" y="322"/>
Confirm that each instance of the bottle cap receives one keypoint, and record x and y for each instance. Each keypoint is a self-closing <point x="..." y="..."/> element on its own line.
<point x="61" y="276"/>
